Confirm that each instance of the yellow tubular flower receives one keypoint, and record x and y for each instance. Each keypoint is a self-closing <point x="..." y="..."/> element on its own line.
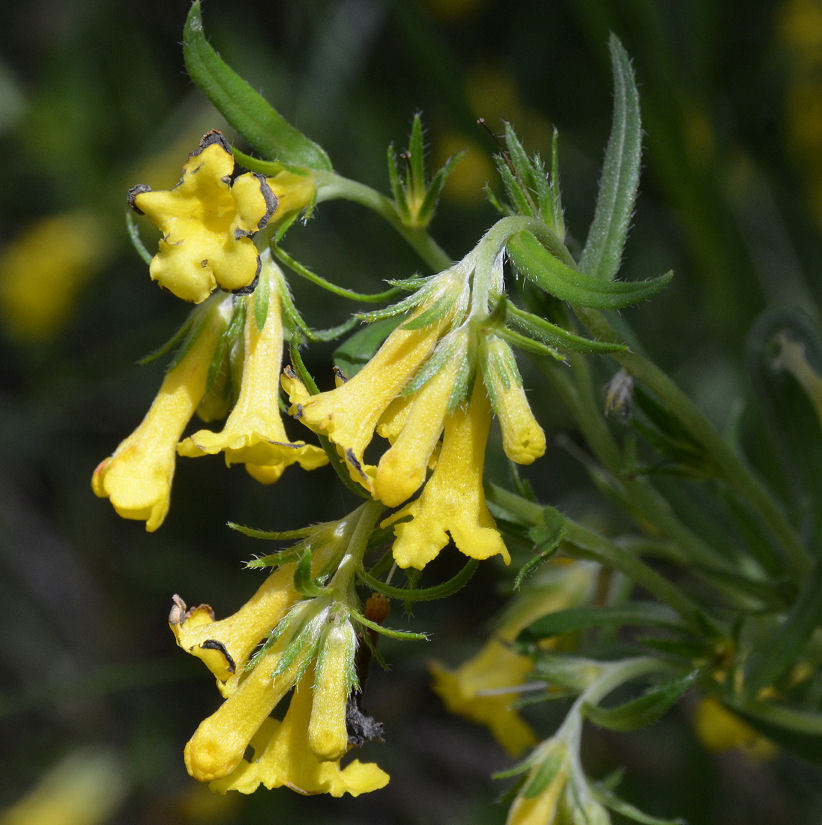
<point x="218" y="744"/>
<point x="349" y="414"/>
<point x="539" y="801"/>
<point x="226" y="645"/>
<point x="523" y="440"/>
<point x="402" y="468"/>
<point x="283" y="757"/>
<point x="254" y="433"/>
<point x="453" y="500"/>
<point x="293" y="192"/>
<point x="137" y="477"/>
<point x="207" y="223"/>
<point x="327" y="732"/>
<point x="475" y="690"/>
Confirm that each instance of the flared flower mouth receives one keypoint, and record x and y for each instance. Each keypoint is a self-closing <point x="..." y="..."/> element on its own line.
<point x="254" y="433"/>
<point x="137" y="477"/>
<point x="207" y="223"/>
<point x="452" y="503"/>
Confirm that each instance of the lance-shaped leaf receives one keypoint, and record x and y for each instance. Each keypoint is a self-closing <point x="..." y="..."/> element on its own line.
<point x="620" y="174"/>
<point x="533" y="261"/>
<point x="555" y="335"/>
<point x="244" y="108"/>
<point x="641" y="614"/>
<point x="642" y="711"/>
<point x="781" y="651"/>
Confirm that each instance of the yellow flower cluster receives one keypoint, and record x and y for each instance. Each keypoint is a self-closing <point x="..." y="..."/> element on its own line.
<point x="413" y="392"/>
<point x="310" y="649"/>
<point x="137" y="477"/>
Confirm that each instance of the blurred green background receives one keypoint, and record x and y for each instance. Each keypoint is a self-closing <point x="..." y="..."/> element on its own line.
<point x="94" y="98"/>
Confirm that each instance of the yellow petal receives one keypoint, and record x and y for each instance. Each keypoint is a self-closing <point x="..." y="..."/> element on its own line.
<point x="543" y="808"/>
<point x="327" y="731"/>
<point x="348" y="414"/>
<point x="137" y="477"/>
<point x="293" y="192"/>
<point x="719" y="729"/>
<point x="218" y="744"/>
<point x="475" y="690"/>
<point x="523" y="440"/>
<point x="207" y="222"/>
<point x="453" y="500"/>
<point x="226" y="645"/>
<point x="282" y="757"/>
<point x="402" y="468"/>
<point x="254" y="433"/>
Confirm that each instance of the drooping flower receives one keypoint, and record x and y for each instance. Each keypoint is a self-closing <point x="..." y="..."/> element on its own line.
<point x="348" y="415"/>
<point x="452" y="501"/>
<point x="207" y="223"/>
<point x="486" y="686"/>
<point x="477" y="690"/>
<point x="137" y="476"/>
<point x="523" y="440"/>
<point x="283" y="756"/>
<point x="556" y="790"/>
<point x="292" y="638"/>
<point x="254" y="433"/>
<point x="402" y="468"/>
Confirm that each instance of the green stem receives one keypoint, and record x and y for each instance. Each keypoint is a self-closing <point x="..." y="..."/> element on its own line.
<point x="588" y="544"/>
<point x="741" y="479"/>
<point x="576" y="390"/>
<point x="331" y="186"/>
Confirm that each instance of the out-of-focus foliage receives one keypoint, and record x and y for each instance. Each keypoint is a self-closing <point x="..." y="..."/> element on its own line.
<point x="93" y="100"/>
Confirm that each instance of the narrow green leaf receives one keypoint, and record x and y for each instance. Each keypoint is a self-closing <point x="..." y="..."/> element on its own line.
<point x="618" y="185"/>
<point x="547" y="770"/>
<point x="534" y="262"/>
<point x="641" y="614"/>
<point x="778" y="654"/>
<point x="547" y="537"/>
<point x="245" y="109"/>
<point x="304" y="584"/>
<point x="136" y="240"/>
<point x="642" y="711"/>
<point x="528" y="344"/>
<point x="172" y="342"/>
<point x="626" y="809"/>
<point x="422" y="594"/>
<point x="402" y="635"/>
<point x="555" y="335"/>
<point x="273" y="535"/>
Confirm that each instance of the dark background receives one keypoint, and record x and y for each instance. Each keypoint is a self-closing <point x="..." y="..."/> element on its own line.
<point x="94" y="98"/>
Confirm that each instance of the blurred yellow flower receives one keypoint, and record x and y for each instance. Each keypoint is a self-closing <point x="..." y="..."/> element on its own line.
<point x="254" y="433"/>
<point x="43" y="269"/>
<point x="207" y="223"/>
<point x="137" y="476"/>
<point x="720" y="729"/>
<point x="484" y="687"/>
<point x="477" y="691"/>
<point x="84" y="788"/>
